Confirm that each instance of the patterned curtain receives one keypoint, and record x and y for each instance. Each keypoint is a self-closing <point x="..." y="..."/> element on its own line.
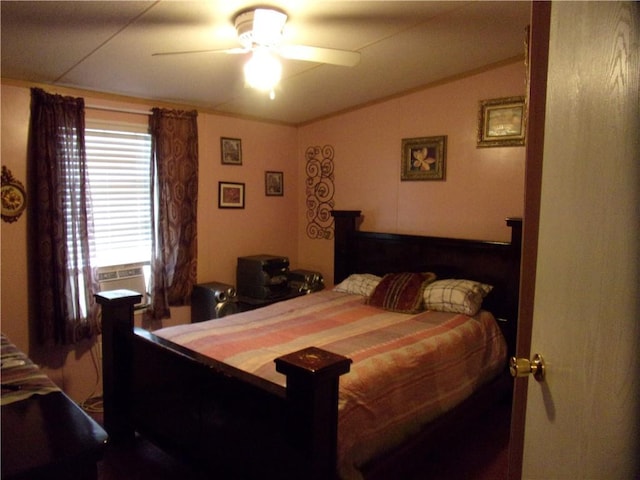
<point x="174" y="180"/>
<point x="61" y="225"/>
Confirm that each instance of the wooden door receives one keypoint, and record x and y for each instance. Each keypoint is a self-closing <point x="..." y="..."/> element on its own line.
<point x="582" y="296"/>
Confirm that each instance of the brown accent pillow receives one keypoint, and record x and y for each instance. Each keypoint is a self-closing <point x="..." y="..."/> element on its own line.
<point x="401" y="292"/>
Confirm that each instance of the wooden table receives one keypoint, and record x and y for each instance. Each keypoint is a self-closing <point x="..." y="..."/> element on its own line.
<point x="45" y="435"/>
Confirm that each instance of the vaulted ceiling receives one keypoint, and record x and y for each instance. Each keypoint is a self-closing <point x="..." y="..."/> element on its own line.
<point x="108" y="46"/>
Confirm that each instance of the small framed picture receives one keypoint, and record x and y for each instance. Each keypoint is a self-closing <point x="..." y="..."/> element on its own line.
<point x="273" y="184"/>
<point x="231" y="151"/>
<point x="423" y="158"/>
<point x="230" y="195"/>
<point x="502" y="122"/>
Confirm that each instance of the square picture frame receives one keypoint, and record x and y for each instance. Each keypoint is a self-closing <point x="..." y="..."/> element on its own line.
<point x="230" y="195"/>
<point x="231" y="151"/>
<point x="273" y="184"/>
<point x="424" y="158"/>
<point x="502" y="122"/>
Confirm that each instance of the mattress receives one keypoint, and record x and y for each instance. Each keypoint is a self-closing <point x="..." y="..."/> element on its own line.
<point x="407" y="368"/>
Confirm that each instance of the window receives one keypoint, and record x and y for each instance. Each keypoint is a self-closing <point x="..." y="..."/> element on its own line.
<point x="118" y="164"/>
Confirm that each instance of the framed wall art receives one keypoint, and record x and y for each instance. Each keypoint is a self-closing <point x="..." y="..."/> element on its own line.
<point x="230" y="195"/>
<point x="231" y="151"/>
<point x="273" y="184"/>
<point x="502" y="122"/>
<point x="423" y="158"/>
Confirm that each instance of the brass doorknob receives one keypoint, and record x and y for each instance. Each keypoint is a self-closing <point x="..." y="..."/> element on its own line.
<point x="521" y="367"/>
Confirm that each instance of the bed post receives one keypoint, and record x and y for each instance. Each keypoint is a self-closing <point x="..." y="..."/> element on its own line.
<point x="313" y="376"/>
<point x="510" y="328"/>
<point x="515" y="223"/>
<point x="345" y="224"/>
<point x="117" y="361"/>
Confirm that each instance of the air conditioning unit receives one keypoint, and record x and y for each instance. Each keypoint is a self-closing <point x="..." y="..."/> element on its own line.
<point x="127" y="277"/>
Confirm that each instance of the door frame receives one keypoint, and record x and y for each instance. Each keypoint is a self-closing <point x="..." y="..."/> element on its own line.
<point x="537" y="67"/>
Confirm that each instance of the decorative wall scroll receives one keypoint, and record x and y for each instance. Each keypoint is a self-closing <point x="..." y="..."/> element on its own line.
<point x="14" y="197"/>
<point x="320" y="190"/>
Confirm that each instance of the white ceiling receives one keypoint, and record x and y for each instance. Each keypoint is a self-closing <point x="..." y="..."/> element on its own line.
<point x="108" y="47"/>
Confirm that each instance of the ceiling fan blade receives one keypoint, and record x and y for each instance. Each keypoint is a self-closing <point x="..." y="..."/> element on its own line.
<point x="230" y="51"/>
<point x="345" y="58"/>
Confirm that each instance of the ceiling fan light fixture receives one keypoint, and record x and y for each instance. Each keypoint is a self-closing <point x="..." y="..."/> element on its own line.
<point x="263" y="70"/>
<point x="261" y="26"/>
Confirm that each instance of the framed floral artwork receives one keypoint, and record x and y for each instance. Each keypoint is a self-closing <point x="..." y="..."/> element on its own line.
<point x="230" y="195"/>
<point x="424" y="158"/>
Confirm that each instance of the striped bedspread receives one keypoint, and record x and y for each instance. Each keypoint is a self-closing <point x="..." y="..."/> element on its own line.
<point x="407" y="369"/>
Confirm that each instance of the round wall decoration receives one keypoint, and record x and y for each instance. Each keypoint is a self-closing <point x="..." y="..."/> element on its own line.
<point x="14" y="197"/>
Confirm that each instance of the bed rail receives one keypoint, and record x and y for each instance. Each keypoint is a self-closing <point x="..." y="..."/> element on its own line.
<point x="300" y="421"/>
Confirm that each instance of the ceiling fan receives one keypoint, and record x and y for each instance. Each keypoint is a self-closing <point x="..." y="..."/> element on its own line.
<point x="259" y="32"/>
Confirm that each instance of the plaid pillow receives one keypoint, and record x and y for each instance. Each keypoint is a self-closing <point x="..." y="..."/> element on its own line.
<point x="358" y="284"/>
<point x="456" y="296"/>
<point x="401" y="292"/>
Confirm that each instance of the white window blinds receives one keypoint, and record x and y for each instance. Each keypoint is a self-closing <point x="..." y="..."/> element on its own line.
<point x="119" y="180"/>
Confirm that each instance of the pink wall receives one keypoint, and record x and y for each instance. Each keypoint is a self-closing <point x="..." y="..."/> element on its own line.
<point x="482" y="186"/>
<point x="15" y="125"/>
<point x="265" y="225"/>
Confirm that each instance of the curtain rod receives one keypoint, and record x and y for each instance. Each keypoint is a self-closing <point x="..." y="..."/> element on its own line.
<point x="119" y="110"/>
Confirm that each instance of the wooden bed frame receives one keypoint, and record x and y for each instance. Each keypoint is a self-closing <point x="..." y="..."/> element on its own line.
<point x="238" y="425"/>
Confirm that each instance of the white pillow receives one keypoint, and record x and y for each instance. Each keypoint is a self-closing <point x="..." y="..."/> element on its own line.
<point x="358" y="284"/>
<point x="456" y="296"/>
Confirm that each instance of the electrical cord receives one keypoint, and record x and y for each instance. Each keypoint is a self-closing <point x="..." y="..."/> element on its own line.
<point x="94" y="403"/>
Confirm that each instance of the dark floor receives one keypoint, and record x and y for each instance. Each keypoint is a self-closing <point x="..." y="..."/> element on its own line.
<point x="482" y="455"/>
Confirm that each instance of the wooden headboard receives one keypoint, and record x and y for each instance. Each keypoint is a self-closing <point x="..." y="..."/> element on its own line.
<point x="495" y="263"/>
